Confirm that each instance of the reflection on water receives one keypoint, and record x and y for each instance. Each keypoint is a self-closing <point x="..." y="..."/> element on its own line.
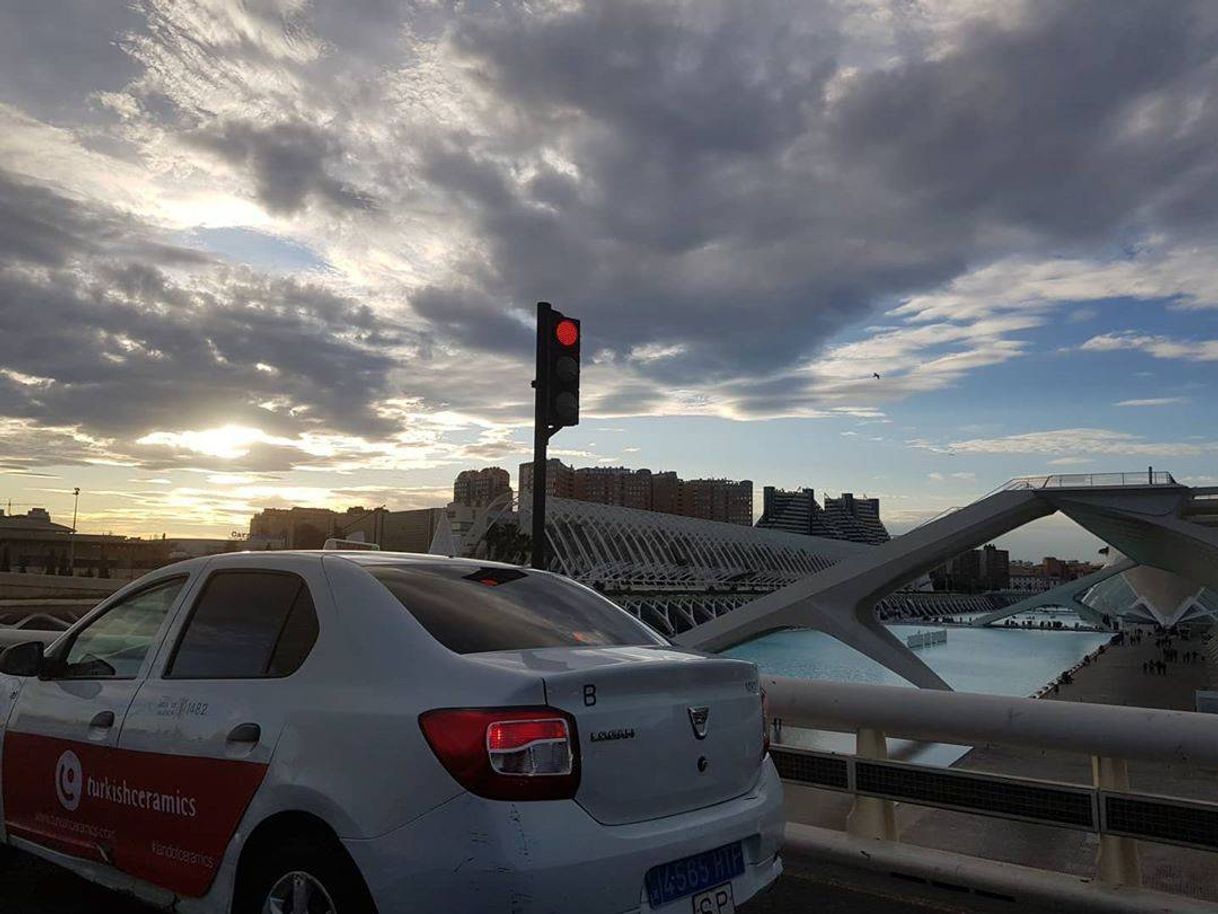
<point x="996" y="661"/>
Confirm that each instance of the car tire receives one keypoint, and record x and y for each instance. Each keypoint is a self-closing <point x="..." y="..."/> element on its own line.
<point x="319" y="871"/>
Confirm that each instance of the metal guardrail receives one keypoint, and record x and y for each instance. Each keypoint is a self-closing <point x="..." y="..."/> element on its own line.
<point x="963" y="718"/>
<point x="1187" y="823"/>
<point x="1090" y="480"/>
<point x="1067" y="481"/>
<point x="1110" y="734"/>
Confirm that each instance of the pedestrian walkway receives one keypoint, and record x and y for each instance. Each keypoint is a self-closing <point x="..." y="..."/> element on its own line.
<point x="1115" y="677"/>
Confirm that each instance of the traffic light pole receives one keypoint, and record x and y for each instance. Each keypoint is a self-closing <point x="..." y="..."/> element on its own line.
<point x="541" y="437"/>
<point x="555" y="404"/>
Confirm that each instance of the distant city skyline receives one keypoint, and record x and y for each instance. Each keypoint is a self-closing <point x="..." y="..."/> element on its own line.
<point x="1032" y="539"/>
<point x="269" y="254"/>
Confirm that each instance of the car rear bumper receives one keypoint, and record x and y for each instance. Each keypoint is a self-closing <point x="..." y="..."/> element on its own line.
<point x="475" y="855"/>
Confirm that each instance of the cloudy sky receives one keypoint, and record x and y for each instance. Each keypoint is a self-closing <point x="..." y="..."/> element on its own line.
<point x="270" y="252"/>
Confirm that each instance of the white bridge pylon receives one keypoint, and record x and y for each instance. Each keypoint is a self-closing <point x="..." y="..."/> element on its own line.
<point x="1068" y="594"/>
<point x="1147" y="516"/>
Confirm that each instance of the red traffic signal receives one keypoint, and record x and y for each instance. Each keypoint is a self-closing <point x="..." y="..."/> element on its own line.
<point x="566" y="331"/>
<point x="558" y="345"/>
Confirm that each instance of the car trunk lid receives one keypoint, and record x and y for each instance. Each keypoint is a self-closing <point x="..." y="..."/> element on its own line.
<point x="661" y="731"/>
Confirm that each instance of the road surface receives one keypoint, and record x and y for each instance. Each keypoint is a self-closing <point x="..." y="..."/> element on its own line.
<point x="29" y="886"/>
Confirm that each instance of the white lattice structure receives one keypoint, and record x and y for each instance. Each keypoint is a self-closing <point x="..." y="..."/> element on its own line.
<point x="621" y="548"/>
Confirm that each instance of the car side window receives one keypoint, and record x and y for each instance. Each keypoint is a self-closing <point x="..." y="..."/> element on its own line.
<point x="247" y="625"/>
<point x="115" y="644"/>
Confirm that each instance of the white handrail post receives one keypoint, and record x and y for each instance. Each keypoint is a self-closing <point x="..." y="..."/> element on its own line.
<point x="1117" y="860"/>
<point x="871" y="817"/>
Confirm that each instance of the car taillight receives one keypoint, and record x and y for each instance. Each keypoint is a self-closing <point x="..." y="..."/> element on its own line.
<point x="765" y="724"/>
<point x="506" y="753"/>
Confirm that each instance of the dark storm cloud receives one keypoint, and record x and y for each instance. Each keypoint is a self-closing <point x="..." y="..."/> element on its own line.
<point x="723" y="196"/>
<point x="42" y="227"/>
<point x="290" y="162"/>
<point x="468" y="315"/>
<point x="116" y="344"/>
<point x="1037" y="127"/>
<point x="54" y="54"/>
<point x="716" y="188"/>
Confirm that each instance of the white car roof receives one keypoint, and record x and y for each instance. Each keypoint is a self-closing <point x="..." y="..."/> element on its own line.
<point x="356" y="556"/>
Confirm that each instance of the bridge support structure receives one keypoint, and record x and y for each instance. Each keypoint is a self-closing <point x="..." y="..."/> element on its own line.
<point x="1116" y="860"/>
<point x="1068" y="594"/>
<point x="872" y="817"/>
<point x="1123" y="819"/>
<point x="1145" y="516"/>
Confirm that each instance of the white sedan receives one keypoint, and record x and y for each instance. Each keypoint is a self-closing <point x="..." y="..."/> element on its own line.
<point x="354" y="732"/>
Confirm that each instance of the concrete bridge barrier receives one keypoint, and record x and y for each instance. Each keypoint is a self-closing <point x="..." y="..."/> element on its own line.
<point x="1121" y="817"/>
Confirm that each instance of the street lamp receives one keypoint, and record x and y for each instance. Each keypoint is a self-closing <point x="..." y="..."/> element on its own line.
<point x="72" y="538"/>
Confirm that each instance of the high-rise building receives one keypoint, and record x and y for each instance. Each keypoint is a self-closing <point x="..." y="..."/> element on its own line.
<point x="665" y="492"/>
<point x="637" y="489"/>
<point x="601" y="485"/>
<point x="614" y="486"/>
<point x="724" y="500"/>
<point x="975" y="571"/>
<point x="481" y="487"/>
<point x="855" y="519"/>
<point x="995" y="567"/>
<point x="845" y="518"/>
<point x="710" y="499"/>
<point x="794" y="512"/>
<point x="560" y="479"/>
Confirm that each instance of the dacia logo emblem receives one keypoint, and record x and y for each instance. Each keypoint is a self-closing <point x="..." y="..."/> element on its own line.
<point x="697" y="720"/>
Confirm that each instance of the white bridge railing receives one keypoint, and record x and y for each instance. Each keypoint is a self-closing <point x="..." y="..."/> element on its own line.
<point x="1111" y="735"/>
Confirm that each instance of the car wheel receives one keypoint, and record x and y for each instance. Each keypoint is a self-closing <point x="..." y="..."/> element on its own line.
<point x="299" y="877"/>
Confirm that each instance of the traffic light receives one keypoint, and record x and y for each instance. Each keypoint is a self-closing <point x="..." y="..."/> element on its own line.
<point x="562" y="369"/>
<point x="555" y="404"/>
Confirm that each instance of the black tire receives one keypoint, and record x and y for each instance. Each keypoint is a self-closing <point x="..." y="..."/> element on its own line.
<point x="323" y="860"/>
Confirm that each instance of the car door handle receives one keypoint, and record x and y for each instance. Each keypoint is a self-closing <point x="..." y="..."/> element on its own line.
<point x="102" y="720"/>
<point x="244" y="733"/>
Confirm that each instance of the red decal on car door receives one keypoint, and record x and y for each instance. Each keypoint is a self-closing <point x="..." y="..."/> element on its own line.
<point x="166" y="819"/>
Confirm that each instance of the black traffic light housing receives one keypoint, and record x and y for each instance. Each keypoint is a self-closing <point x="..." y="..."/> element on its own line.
<point x="556" y="403"/>
<point x="562" y="339"/>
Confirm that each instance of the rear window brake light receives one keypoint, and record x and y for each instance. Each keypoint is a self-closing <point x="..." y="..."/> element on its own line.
<point x="493" y="577"/>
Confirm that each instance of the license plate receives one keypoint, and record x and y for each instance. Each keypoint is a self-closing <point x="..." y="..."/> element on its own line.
<point x="718" y="900"/>
<point x="695" y="874"/>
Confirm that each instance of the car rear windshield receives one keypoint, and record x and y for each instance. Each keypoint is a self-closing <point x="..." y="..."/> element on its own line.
<point x="470" y="610"/>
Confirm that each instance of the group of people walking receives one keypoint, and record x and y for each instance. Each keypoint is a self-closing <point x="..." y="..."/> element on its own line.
<point x="1169" y="653"/>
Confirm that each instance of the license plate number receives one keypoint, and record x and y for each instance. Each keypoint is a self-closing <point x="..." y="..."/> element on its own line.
<point x="694" y="875"/>
<point x="718" y="900"/>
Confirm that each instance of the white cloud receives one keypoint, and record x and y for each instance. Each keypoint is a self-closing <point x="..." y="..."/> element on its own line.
<point x="655" y="352"/>
<point x="1153" y="401"/>
<point x="1161" y="347"/>
<point x="1075" y="441"/>
<point x="1157" y="271"/>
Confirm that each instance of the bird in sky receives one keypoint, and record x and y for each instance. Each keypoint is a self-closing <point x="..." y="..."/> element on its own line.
<point x="876" y="375"/>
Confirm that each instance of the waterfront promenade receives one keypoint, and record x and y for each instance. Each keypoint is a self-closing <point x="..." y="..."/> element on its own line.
<point x="1115" y="677"/>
